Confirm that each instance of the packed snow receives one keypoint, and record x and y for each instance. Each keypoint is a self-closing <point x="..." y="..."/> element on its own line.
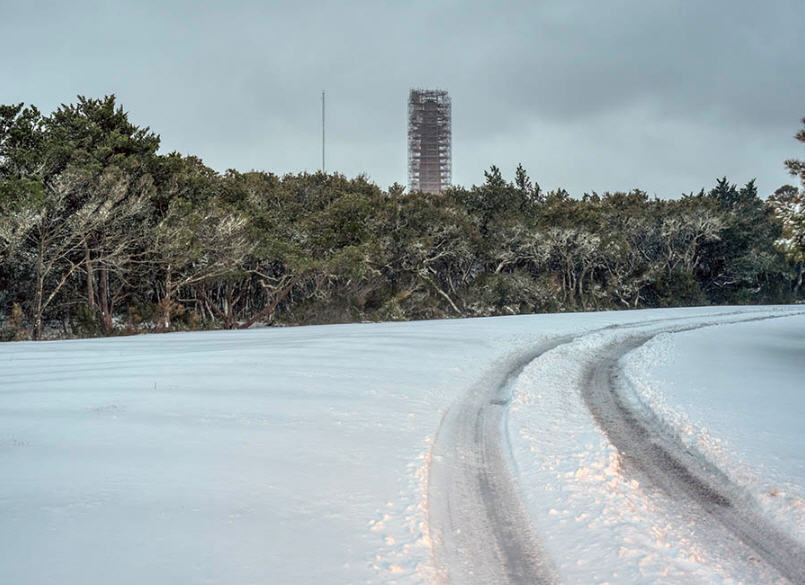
<point x="599" y="524"/>
<point x="737" y="395"/>
<point x="300" y="455"/>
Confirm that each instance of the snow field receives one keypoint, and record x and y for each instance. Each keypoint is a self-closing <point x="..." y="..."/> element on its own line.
<point x="300" y="456"/>
<point x="292" y="455"/>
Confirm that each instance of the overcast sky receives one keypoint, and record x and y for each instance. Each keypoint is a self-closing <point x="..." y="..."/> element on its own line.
<point x="664" y="95"/>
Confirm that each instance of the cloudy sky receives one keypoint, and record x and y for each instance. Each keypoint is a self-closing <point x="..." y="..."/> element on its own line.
<point x="590" y="95"/>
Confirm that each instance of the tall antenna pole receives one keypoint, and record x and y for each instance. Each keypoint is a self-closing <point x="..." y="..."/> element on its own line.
<point x="322" y="131"/>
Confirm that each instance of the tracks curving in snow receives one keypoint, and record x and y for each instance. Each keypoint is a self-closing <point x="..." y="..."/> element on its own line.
<point x="479" y="527"/>
<point x="653" y="452"/>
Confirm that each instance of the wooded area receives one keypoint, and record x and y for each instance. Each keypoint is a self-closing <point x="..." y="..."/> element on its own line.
<point x="100" y="235"/>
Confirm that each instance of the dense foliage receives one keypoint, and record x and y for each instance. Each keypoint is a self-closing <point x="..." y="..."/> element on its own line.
<point x="99" y="234"/>
<point x="789" y="207"/>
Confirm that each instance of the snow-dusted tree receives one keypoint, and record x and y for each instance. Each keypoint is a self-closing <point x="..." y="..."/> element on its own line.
<point x="791" y="212"/>
<point x="683" y="236"/>
<point x="47" y="226"/>
<point x="74" y="191"/>
<point x="21" y="136"/>
<point x="629" y="259"/>
<point x="797" y="167"/>
<point x="575" y="253"/>
<point x="117" y="242"/>
<point x="518" y="245"/>
<point x="431" y="250"/>
<point x="789" y="207"/>
<point x="194" y="244"/>
<point x="96" y="143"/>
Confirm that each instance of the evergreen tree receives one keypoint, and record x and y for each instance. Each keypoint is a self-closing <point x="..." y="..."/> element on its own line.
<point x="98" y="229"/>
<point x="789" y="207"/>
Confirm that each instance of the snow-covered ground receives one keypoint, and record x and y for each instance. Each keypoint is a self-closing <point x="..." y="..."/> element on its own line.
<point x="599" y="524"/>
<point x="300" y="455"/>
<point x="737" y="395"/>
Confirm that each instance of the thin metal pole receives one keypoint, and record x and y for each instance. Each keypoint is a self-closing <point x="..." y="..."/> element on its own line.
<point x="322" y="131"/>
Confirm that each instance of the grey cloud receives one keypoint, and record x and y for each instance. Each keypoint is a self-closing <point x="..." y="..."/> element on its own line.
<point x="591" y="95"/>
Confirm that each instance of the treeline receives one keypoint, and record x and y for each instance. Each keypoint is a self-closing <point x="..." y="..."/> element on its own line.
<point x="100" y="234"/>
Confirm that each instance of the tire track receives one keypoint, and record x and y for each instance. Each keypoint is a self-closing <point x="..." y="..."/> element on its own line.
<point x="479" y="527"/>
<point x="653" y="452"/>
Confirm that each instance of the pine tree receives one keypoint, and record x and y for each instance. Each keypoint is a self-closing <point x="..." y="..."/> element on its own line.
<point x="790" y="210"/>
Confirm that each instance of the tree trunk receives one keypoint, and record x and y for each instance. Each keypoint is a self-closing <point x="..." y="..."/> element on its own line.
<point x="91" y="306"/>
<point x="215" y="311"/>
<point x="270" y="307"/>
<point x="166" y="301"/>
<point x="39" y="294"/>
<point x="229" y="316"/>
<point x="103" y="293"/>
<point x="581" y="291"/>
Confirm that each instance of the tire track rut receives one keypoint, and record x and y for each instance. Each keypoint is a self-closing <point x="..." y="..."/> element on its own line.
<point x="479" y="527"/>
<point x="653" y="452"/>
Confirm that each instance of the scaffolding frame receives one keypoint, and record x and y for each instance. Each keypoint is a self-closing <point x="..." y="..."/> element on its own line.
<point x="429" y="141"/>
